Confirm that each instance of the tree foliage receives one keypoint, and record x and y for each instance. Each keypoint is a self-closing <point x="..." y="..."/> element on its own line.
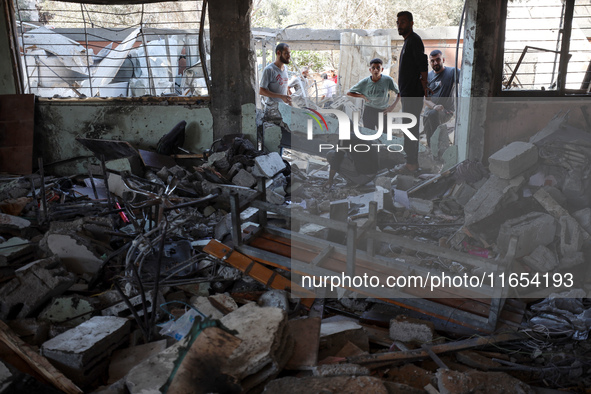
<point x="354" y="14"/>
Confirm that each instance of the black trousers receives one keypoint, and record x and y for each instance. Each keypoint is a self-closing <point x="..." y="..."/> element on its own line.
<point x="412" y="105"/>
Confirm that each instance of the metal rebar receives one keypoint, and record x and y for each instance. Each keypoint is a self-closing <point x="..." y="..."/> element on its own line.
<point x="92" y="181"/>
<point x="157" y="279"/>
<point x="105" y="180"/>
<point x="40" y="161"/>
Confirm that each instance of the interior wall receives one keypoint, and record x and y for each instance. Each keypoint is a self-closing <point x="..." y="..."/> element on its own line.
<point x="518" y="119"/>
<point x="57" y="124"/>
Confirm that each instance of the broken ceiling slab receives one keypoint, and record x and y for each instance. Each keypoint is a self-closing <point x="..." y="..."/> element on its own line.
<point x="33" y="285"/>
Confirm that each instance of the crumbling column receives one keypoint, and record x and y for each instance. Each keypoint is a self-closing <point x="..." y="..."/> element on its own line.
<point x="232" y="66"/>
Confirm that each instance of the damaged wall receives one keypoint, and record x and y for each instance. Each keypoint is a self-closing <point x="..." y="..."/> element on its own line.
<point x="518" y="119"/>
<point x="57" y="124"/>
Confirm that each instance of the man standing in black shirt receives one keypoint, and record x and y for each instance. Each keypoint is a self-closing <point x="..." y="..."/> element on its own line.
<point x="412" y="80"/>
<point x="439" y="108"/>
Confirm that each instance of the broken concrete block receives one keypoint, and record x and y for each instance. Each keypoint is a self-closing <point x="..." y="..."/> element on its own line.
<point x="453" y="382"/>
<point x="73" y="310"/>
<point x="336" y="332"/>
<point x="76" y="256"/>
<point x="407" y="329"/>
<point x="383" y="181"/>
<point x="266" y="343"/>
<point x="513" y="159"/>
<point x="268" y="165"/>
<point x="14" y="248"/>
<point x="553" y="208"/>
<point x="541" y="259"/>
<point x="463" y="193"/>
<point x="571" y="237"/>
<point x="244" y="178"/>
<point x="572" y="260"/>
<point x="34" y="284"/>
<point x="420" y="206"/>
<point x="208" y="211"/>
<point x="122" y="361"/>
<point x="10" y="223"/>
<point x="274" y="198"/>
<point x="583" y="216"/>
<point x="121" y="309"/>
<point x="83" y="352"/>
<point x="531" y="230"/>
<point x="234" y="170"/>
<point x="340" y="370"/>
<point x="491" y="197"/>
<point x="152" y="374"/>
<point x="336" y="384"/>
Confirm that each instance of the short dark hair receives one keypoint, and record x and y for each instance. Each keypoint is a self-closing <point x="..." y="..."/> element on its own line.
<point x="324" y="76"/>
<point x="408" y="14"/>
<point x="377" y="60"/>
<point x="281" y="47"/>
<point x="436" y="52"/>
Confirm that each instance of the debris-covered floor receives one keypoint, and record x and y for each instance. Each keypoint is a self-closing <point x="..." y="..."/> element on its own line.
<point x="174" y="276"/>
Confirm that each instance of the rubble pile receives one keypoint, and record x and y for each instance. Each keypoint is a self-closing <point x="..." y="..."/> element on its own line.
<point x="153" y="279"/>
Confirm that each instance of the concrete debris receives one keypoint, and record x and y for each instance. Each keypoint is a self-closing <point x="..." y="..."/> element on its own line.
<point x="71" y="310"/>
<point x="121" y="309"/>
<point x="10" y="223"/>
<point x="336" y="332"/>
<point x="123" y="360"/>
<point x="530" y="231"/>
<point x="542" y="259"/>
<point x="83" y="352"/>
<point x="454" y="382"/>
<point x="33" y="285"/>
<point x="492" y="197"/>
<point x="340" y="370"/>
<point x="152" y="230"/>
<point x="268" y="165"/>
<point x="409" y="330"/>
<point x="513" y="159"/>
<point x="266" y="344"/>
<point x="318" y="385"/>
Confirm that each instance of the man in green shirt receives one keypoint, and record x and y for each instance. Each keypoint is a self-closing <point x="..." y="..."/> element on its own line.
<point x="375" y="90"/>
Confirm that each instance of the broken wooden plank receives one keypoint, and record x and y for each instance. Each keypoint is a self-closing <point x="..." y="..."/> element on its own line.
<point x="41" y="367"/>
<point x="256" y="270"/>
